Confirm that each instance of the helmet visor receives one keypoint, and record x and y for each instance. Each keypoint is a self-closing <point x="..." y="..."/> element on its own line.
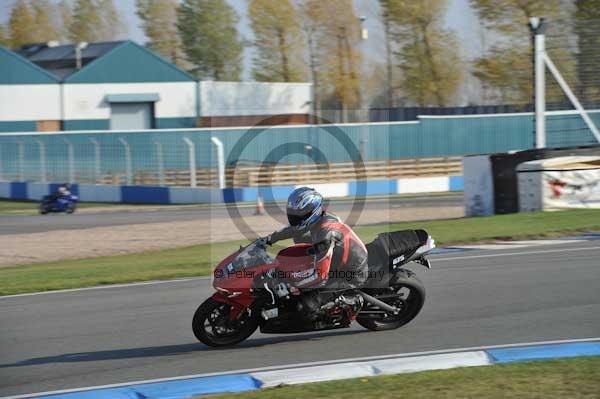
<point x="295" y="220"/>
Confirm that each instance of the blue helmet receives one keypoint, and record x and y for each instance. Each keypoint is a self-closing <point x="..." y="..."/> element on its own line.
<point x="304" y="207"/>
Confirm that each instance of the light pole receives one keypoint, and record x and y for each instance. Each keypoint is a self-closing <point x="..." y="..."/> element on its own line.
<point x="364" y="35"/>
<point x="538" y="27"/>
<point x="80" y="46"/>
<point x="364" y="32"/>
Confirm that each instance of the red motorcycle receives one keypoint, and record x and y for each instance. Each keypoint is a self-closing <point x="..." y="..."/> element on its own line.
<point x="256" y="290"/>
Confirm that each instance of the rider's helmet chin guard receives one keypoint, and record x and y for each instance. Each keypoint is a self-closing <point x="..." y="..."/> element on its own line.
<point x="304" y="207"/>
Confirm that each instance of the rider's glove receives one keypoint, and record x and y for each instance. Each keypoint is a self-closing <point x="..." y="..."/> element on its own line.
<point x="263" y="241"/>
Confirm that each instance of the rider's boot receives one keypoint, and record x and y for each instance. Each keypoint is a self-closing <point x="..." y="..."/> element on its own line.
<point x="353" y="301"/>
<point x="347" y="300"/>
<point x="315" y="303"/>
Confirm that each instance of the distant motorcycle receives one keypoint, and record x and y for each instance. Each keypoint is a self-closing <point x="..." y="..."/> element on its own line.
<point x="62" y="204"/>
<point x="253" y="291"/>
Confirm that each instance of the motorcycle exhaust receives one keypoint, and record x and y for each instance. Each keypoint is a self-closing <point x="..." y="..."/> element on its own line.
<point x="380" y="304"/>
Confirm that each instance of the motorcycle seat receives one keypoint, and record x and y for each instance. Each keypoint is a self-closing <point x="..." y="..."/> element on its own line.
<point x="395" y="247"/>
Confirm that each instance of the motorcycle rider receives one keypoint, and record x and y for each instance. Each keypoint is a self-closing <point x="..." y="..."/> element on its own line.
<point x="64" y="190"/>
<point x="340" y="257"/>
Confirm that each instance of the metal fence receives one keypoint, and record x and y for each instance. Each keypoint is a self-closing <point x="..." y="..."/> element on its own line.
<point x="154" y="157"/>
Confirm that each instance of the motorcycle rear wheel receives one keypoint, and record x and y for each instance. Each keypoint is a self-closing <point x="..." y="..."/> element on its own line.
<point x="212" y="326"/>
<point x="411" y="305"/>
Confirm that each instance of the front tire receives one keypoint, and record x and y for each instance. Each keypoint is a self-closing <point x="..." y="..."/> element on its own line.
<point x="71" y="208"/>
<point x="411" y="303"/>
<point x="43" y="209"/>
<point x="212" y="326"/>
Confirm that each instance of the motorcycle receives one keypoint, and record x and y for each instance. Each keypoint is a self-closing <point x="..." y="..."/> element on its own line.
<point x="255" y="290"/>
<point x="58" y="204"/>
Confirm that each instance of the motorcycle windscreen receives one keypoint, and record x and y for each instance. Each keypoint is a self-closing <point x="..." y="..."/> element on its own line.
<point x="252" y="256"/>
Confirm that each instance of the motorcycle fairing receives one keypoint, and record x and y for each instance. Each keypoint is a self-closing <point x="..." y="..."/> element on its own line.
<point x="237" y="278"/>
<point x="237" y="305"/>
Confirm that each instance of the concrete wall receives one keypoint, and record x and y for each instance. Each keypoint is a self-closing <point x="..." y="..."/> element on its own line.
<point x="478" y="185"/>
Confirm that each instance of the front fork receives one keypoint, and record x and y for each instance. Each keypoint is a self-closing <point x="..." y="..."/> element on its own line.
<point x="238" y="304"/>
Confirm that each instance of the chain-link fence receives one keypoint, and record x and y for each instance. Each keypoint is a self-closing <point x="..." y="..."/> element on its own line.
<point x="572" y="46"/>
<point x="189" y="157"/>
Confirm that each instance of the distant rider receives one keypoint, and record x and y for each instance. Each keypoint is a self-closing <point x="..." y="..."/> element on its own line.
<point x="64" y="190"/>
<point x="340" y="257"/>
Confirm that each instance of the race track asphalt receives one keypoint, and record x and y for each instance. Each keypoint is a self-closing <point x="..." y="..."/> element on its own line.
<point x="23" y="224"/>
<point x="119" y="334"/>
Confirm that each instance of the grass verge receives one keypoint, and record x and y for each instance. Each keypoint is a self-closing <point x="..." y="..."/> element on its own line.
<point x="198" y="260"/>
<point x="575" y="378"/>
<point x="9" y="207"/>
<point x="16" y="207"/>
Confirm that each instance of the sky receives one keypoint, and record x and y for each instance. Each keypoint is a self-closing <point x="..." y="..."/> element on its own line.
<point x="459" y="18"/>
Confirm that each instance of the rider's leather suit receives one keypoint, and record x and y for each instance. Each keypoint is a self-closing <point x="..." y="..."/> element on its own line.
<point x="340" y="257"/>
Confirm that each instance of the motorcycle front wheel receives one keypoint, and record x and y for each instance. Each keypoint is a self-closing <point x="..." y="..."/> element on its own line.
<point x="71" y="208"/>
<point x="213" y="326"/>
<point x="406" y="293"/>
<point x="43" y="209"/>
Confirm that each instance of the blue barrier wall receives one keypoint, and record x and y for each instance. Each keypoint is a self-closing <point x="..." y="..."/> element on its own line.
<point x="188" y="195"/>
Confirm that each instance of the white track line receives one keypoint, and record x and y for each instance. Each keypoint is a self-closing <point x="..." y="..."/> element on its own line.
<point x="297" y="365"/>
<point x="103" y="287"/>
<point x="519" y="253"/>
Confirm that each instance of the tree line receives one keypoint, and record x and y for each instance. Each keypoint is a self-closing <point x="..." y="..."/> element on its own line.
<point x="320" y="41"/>
<point x="38" y="21"/>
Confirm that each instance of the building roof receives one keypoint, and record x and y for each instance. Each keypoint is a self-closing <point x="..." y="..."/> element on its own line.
<point x="103" y="62"/>
<point x="15" y="69"/>
<point x="60" y="60"/>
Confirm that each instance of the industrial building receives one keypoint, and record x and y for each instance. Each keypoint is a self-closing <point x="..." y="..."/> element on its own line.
<point x="124" y="86"/>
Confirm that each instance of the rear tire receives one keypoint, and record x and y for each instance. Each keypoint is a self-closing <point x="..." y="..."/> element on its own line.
<point x="212" y="317"/>
<point x="411" y="305"/>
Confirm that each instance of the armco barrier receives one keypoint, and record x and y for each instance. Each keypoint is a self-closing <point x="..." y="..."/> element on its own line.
<point x="185" y="387"/>
<point x="188" y="195"/>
